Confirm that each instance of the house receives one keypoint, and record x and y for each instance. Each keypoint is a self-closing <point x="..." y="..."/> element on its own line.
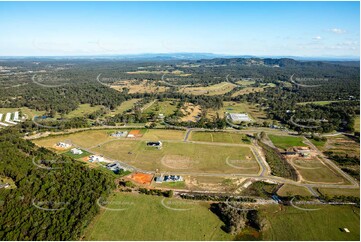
<point x="76" y="151"/>
<point x="161" y="116"/>
<point x="239" y="117"/>
<point x="172" y="178"/>
<point x="115" y="167"/>
<point x="119" y="134"/>
<point x="155" y="144"/>
<point x="63" y="145"/>
<point x="96" y="158"/>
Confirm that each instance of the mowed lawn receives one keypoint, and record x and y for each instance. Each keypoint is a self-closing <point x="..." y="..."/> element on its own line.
<point x="285" y="142"/>
<point x="180" y="156"/>
<point x="221" y="137"/>
<point x="145" y="218"/>
<point x="324" y="224"/>
<point x="314" y="171"/>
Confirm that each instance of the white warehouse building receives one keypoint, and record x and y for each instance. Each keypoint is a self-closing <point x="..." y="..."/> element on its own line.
<point x="239" y="117"/>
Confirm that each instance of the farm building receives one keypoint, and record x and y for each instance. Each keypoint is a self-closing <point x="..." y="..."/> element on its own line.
<point x="76" y="151"/>
<point x="96" y="158"/>
<point x="119" y="134"/>
<point x="63" y="145"/>
<point x="239" y="117"/>
<point x="155" y="144"/>
<point x="7" y="119"/>
<point x="1" y="123"/>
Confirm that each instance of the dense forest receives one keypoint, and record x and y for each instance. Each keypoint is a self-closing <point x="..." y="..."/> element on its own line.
<point x="55" y="196"/>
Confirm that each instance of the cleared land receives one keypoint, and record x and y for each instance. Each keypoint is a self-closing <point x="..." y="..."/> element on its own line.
<point x="290" y="223"/>
<point x="82" y="110"/>
<point x="286" y="142"/>
<point x="217" y="89"/>
<point x="134" y="86"/>
<point x="221" y="137"/>
<point x="248" y="90"/>
<point x="321" y="103"/>
<point x="190" y="112"/>
<point x="179" y="156"/>
<point x="163" y="134"/>
<point x="313" y="170"/>
<point x="83" y="139"/>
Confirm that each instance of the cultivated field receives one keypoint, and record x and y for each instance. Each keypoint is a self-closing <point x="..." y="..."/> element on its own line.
<point x="313" y="170"/>
<point x="179" y="156"/>
<point x="326" y="223"/>
<point x="151" y="218"/>
<point x="220" y="137"/>
<point x="286" y="142"/>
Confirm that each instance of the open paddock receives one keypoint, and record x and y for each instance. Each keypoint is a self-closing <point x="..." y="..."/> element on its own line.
<point x="313" y="170"/>
<point x="179" y="156"/>
<point x="286" y="142"/>
<point x="163" y="134"/>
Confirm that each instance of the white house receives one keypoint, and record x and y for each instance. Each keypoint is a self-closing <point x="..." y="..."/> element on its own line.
<point x="76" y="151"/>
<point x="63" y="145"/>
<point x="96" y="158"/>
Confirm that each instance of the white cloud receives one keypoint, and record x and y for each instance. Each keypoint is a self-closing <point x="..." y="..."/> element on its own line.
<point x="338" y="31"/>
<point x="317" y="38"/>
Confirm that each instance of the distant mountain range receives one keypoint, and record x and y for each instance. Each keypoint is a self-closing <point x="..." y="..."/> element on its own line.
<point x="184" y="56"/>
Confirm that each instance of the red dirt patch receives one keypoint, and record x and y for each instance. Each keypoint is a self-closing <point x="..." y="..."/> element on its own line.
<point x="134" y="133"/>
<point x="141" y="178"/>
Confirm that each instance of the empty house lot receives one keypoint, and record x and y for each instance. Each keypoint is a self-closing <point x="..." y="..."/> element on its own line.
<point x="182" y="157"/>
<point x="220" y="137"/>
<point x="313" y="170"/>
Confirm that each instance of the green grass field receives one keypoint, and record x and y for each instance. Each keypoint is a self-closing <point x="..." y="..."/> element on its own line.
<point x="145" y="218"/>
<point x="290" y="223"/>
<point x="124" y="106"/>
<point x="337" y="192"/>
<point x="291" y="190"/>
<point x="82" y="110"/>
<point x="285" y="142"/>
<point x="220" y="137"/>
<point x="167" y="108"/>
<point x="180" y="156"/>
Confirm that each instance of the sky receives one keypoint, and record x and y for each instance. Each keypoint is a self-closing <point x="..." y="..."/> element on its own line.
<point x="310" y="29"/>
